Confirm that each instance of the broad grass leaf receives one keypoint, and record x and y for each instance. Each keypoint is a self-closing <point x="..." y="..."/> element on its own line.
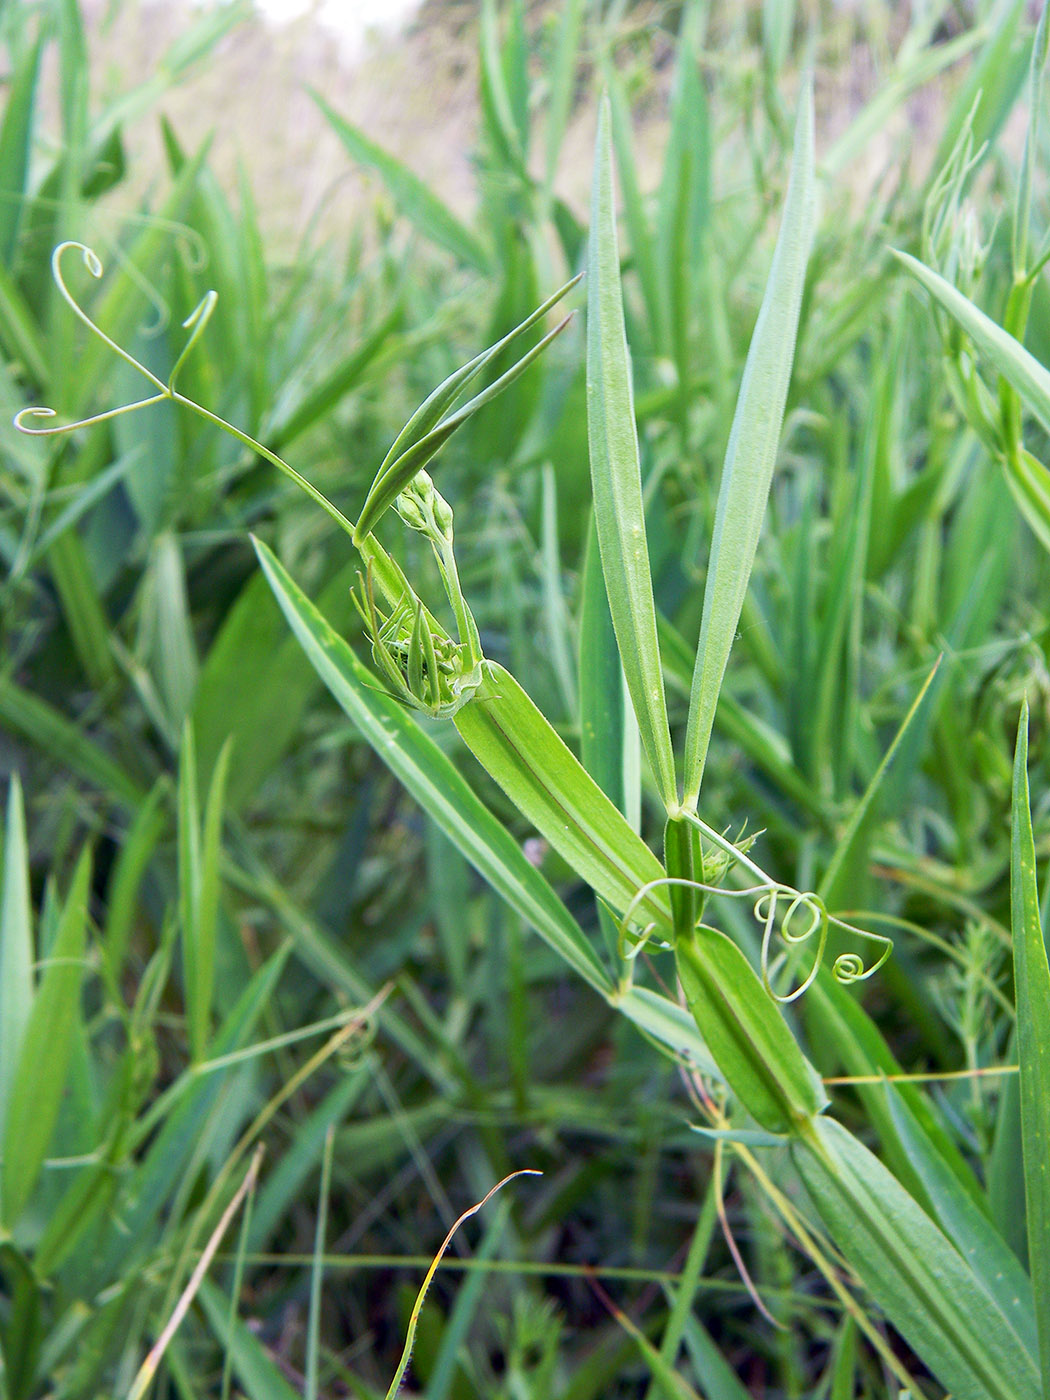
<point x="619" y="512"/>
<point x="925" y="1287"/>
<point x="431" y="778"/>
<point x="1032" y="979"/>
<point x="964" y="1222"/>
<point x="752" y="449"/>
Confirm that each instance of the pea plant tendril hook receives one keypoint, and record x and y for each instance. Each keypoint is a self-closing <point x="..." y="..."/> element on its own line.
<point x="195" y="323"/>
<point x="804" y="917"/>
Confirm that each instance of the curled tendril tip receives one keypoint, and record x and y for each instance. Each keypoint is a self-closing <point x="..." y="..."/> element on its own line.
<point x="195" y="323"/>
<point x="804" y="917"/>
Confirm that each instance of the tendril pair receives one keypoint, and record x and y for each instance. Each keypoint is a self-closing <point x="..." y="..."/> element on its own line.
<point x="195" y="323"/>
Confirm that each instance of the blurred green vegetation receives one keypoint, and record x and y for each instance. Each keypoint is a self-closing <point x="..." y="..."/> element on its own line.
<point x="208" y="873"/>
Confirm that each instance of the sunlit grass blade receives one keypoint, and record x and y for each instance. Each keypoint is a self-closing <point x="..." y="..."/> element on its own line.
<point x="1032" y="978"/>
<point x="1005" y="354"/>
<point x="751" y="453"/>
<point x="619" y="511"/>
<point x="43" y="1062"/>
<point x="431" y="778"/>
<point x="434" y="219"/>
<point x="608" y="732"/>
<point x="965" y="1223"/>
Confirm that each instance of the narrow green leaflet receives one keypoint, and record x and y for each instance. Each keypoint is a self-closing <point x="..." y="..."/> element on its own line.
<point x="751" y="453"/>
<point x="428" y="429"/>
<point x="16" y="943"/>
<point x="432" y="779"/>
<point x="1007" y="355"/>
<point x="434" y="219"/>
<point x="619" y="512"/>
<point x="1032" y="977"/>
<point x="40" y="1079"/>
<point x="517" y="747"/>
<point x="924" y="1286"/>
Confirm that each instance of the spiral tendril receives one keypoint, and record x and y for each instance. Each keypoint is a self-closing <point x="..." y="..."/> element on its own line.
<point x="795" y="916"/>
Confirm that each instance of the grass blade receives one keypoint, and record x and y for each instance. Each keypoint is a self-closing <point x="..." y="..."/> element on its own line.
<point x="16" y="944"/>
<point x="616" y="476"/>
<point x="434" y="219"/>
<point x="1032" y="977"/>
<point x="1007" y="355"/>
<point x="751" y="453"/>
<point x="40" y="1079"/>
<point x="925" y="1287"/>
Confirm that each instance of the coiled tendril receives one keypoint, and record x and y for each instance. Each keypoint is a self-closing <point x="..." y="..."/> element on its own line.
<point x="195" y="323"/>
<point x="804" y="917"/>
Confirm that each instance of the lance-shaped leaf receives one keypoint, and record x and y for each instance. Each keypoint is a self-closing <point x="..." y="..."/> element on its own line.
<point x="751" y="453"/>
<point x="746" y="1032"/>
<point x="926" y="1288"/>
<point x="16" y="943"/>
<point x="428" y="429"/>
<point x="619" y="512"/>
<point x="431" y="778"/>
<point x="1007" y="355"/>
<point x="1032" y="978"/>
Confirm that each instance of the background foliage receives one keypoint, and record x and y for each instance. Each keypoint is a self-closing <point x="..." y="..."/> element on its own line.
<point x="208" y="874"/>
